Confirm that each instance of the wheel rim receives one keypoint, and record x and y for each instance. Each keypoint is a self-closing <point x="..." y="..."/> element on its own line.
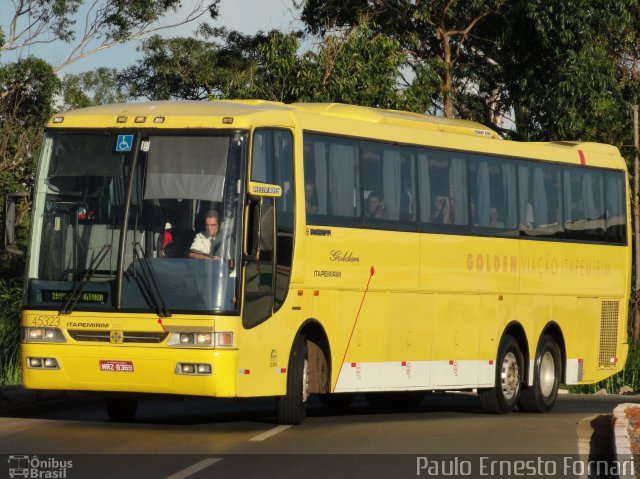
<point x="510" y="376"/>
<point x="305" y="381"/>
<point x="547" y="374"/>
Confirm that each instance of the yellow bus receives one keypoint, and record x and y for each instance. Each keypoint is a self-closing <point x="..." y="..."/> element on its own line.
<point x="250" y="249"/>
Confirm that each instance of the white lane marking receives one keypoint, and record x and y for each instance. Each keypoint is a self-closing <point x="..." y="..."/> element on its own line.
<point x="194" y="468"/>
<point x="269" y="433"/>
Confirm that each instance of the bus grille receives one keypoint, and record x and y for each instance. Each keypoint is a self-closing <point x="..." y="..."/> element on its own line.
<point x="101" y="336"/>
<point x="607" y="351"/>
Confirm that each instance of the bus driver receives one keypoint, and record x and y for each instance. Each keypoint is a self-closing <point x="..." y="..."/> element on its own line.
<point x="207" y="244"/>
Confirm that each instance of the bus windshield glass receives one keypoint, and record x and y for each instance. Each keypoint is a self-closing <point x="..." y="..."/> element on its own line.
<point x="119" y="222"/>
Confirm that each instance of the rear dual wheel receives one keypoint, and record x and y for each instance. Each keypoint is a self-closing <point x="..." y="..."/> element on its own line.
<point x="542" y="395"/>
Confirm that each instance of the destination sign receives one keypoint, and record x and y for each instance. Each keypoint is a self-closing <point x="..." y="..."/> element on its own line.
<point x="57" y="296"/>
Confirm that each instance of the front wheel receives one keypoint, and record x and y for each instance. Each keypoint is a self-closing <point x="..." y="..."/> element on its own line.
<point x="292" y="407"/>
<point x="502" y="398"/>
<point x="541" y="396"/>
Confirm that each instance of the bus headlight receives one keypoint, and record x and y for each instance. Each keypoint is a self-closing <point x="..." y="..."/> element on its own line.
<point x="201" y="339"/>
<point x="192" y="340"/>
<point x="42" y="335"/>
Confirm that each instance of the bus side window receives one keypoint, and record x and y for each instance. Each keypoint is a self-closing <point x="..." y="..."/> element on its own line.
<point x="331" y="166"/>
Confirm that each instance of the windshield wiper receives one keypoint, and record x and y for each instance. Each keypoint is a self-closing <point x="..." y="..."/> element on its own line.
<point x="150" y="283"/>
<point x="74" y="296"/>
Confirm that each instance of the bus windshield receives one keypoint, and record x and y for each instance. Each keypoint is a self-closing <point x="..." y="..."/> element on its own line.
<point x="118" y="218"/>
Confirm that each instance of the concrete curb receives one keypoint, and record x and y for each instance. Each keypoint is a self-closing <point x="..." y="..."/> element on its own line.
<point x="621" y="440"/>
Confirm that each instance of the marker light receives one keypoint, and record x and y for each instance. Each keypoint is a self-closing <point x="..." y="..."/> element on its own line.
<point x="50" y="363"/>
<point x="140" y="119"/>
<point x="158" y="119"/>
<point x="224" y="339"/>
<point x="122" y="119"/>
<point x="58" y="119"/>
<point x="42" y="363"/>
<point x="193" y="369"/>
<point x="227" y="120"/>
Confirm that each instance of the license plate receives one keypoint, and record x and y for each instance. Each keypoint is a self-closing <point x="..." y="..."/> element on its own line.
<point x="116" y="366"/>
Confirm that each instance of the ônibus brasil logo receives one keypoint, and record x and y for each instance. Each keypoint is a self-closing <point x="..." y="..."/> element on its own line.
<point x="37" y="468"/>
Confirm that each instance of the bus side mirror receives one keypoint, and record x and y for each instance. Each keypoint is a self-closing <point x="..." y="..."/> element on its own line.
<point x="10" y="221"/>
<point x="261" y="220"/>
<point x="265" y="233"/>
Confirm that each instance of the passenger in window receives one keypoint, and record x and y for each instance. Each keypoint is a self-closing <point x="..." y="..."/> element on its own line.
<point x="375" y="206"/>
<point x="206" y="245"/>
<point x="311" y="198"/>
<point x="493" y="218"/>
<point x="441" y="210"/>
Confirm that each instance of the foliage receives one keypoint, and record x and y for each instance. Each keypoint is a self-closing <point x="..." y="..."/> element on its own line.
<point x="102" y="23"/>
<point x="359" y="67"/>
<point x="96" y="87"/>
<point x="561" y="68"/>
<point x="271" y="72"/>
<point x="10" y="298"/>
<point x="179" y="68"/>
<point x="30" y="86"/>
<point x="437" y="31"/>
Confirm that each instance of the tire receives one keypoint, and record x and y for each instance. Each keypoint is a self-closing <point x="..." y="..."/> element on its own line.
<point x="292" y="407"/>
<point x="121" y="409"/>
<point x="337" y="401"/>
<point x="503" y="397"/>
<point x="542" y="395"/>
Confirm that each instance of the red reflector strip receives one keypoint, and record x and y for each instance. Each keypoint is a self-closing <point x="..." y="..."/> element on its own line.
<point x="583" y="160"/>
<point x="281" y="370"/>
<point x="579" y="360"/>
<point x="490" y="362"/>
<point x="353" y="365"/>
<point x="450" y="362"/>
<point x="245" y="371"/>
<point x="404" y="363"/>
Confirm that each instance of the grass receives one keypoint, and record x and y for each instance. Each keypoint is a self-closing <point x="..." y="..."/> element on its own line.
<point x="10" y="299"/>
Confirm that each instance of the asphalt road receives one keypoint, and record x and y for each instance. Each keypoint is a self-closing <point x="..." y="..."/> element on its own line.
<point x="200" y="438"/>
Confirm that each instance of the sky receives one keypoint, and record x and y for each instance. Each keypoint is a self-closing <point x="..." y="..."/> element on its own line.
<point x="246" y="16"/>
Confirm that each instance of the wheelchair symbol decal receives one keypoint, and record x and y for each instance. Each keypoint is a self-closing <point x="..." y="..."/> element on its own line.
<point x="124" y="143"/>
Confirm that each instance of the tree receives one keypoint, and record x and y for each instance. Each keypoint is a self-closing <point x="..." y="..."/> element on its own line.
<point x="106" y="23"/>
<point x="180" y="68"/>
<point x="31" y="84"/>
<point x="359" y="67"/>
<point x="95" y="87"/>
<point x="427" y="30"/>
<point x="271" y="70"/>
<point x="564" y="67"/>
